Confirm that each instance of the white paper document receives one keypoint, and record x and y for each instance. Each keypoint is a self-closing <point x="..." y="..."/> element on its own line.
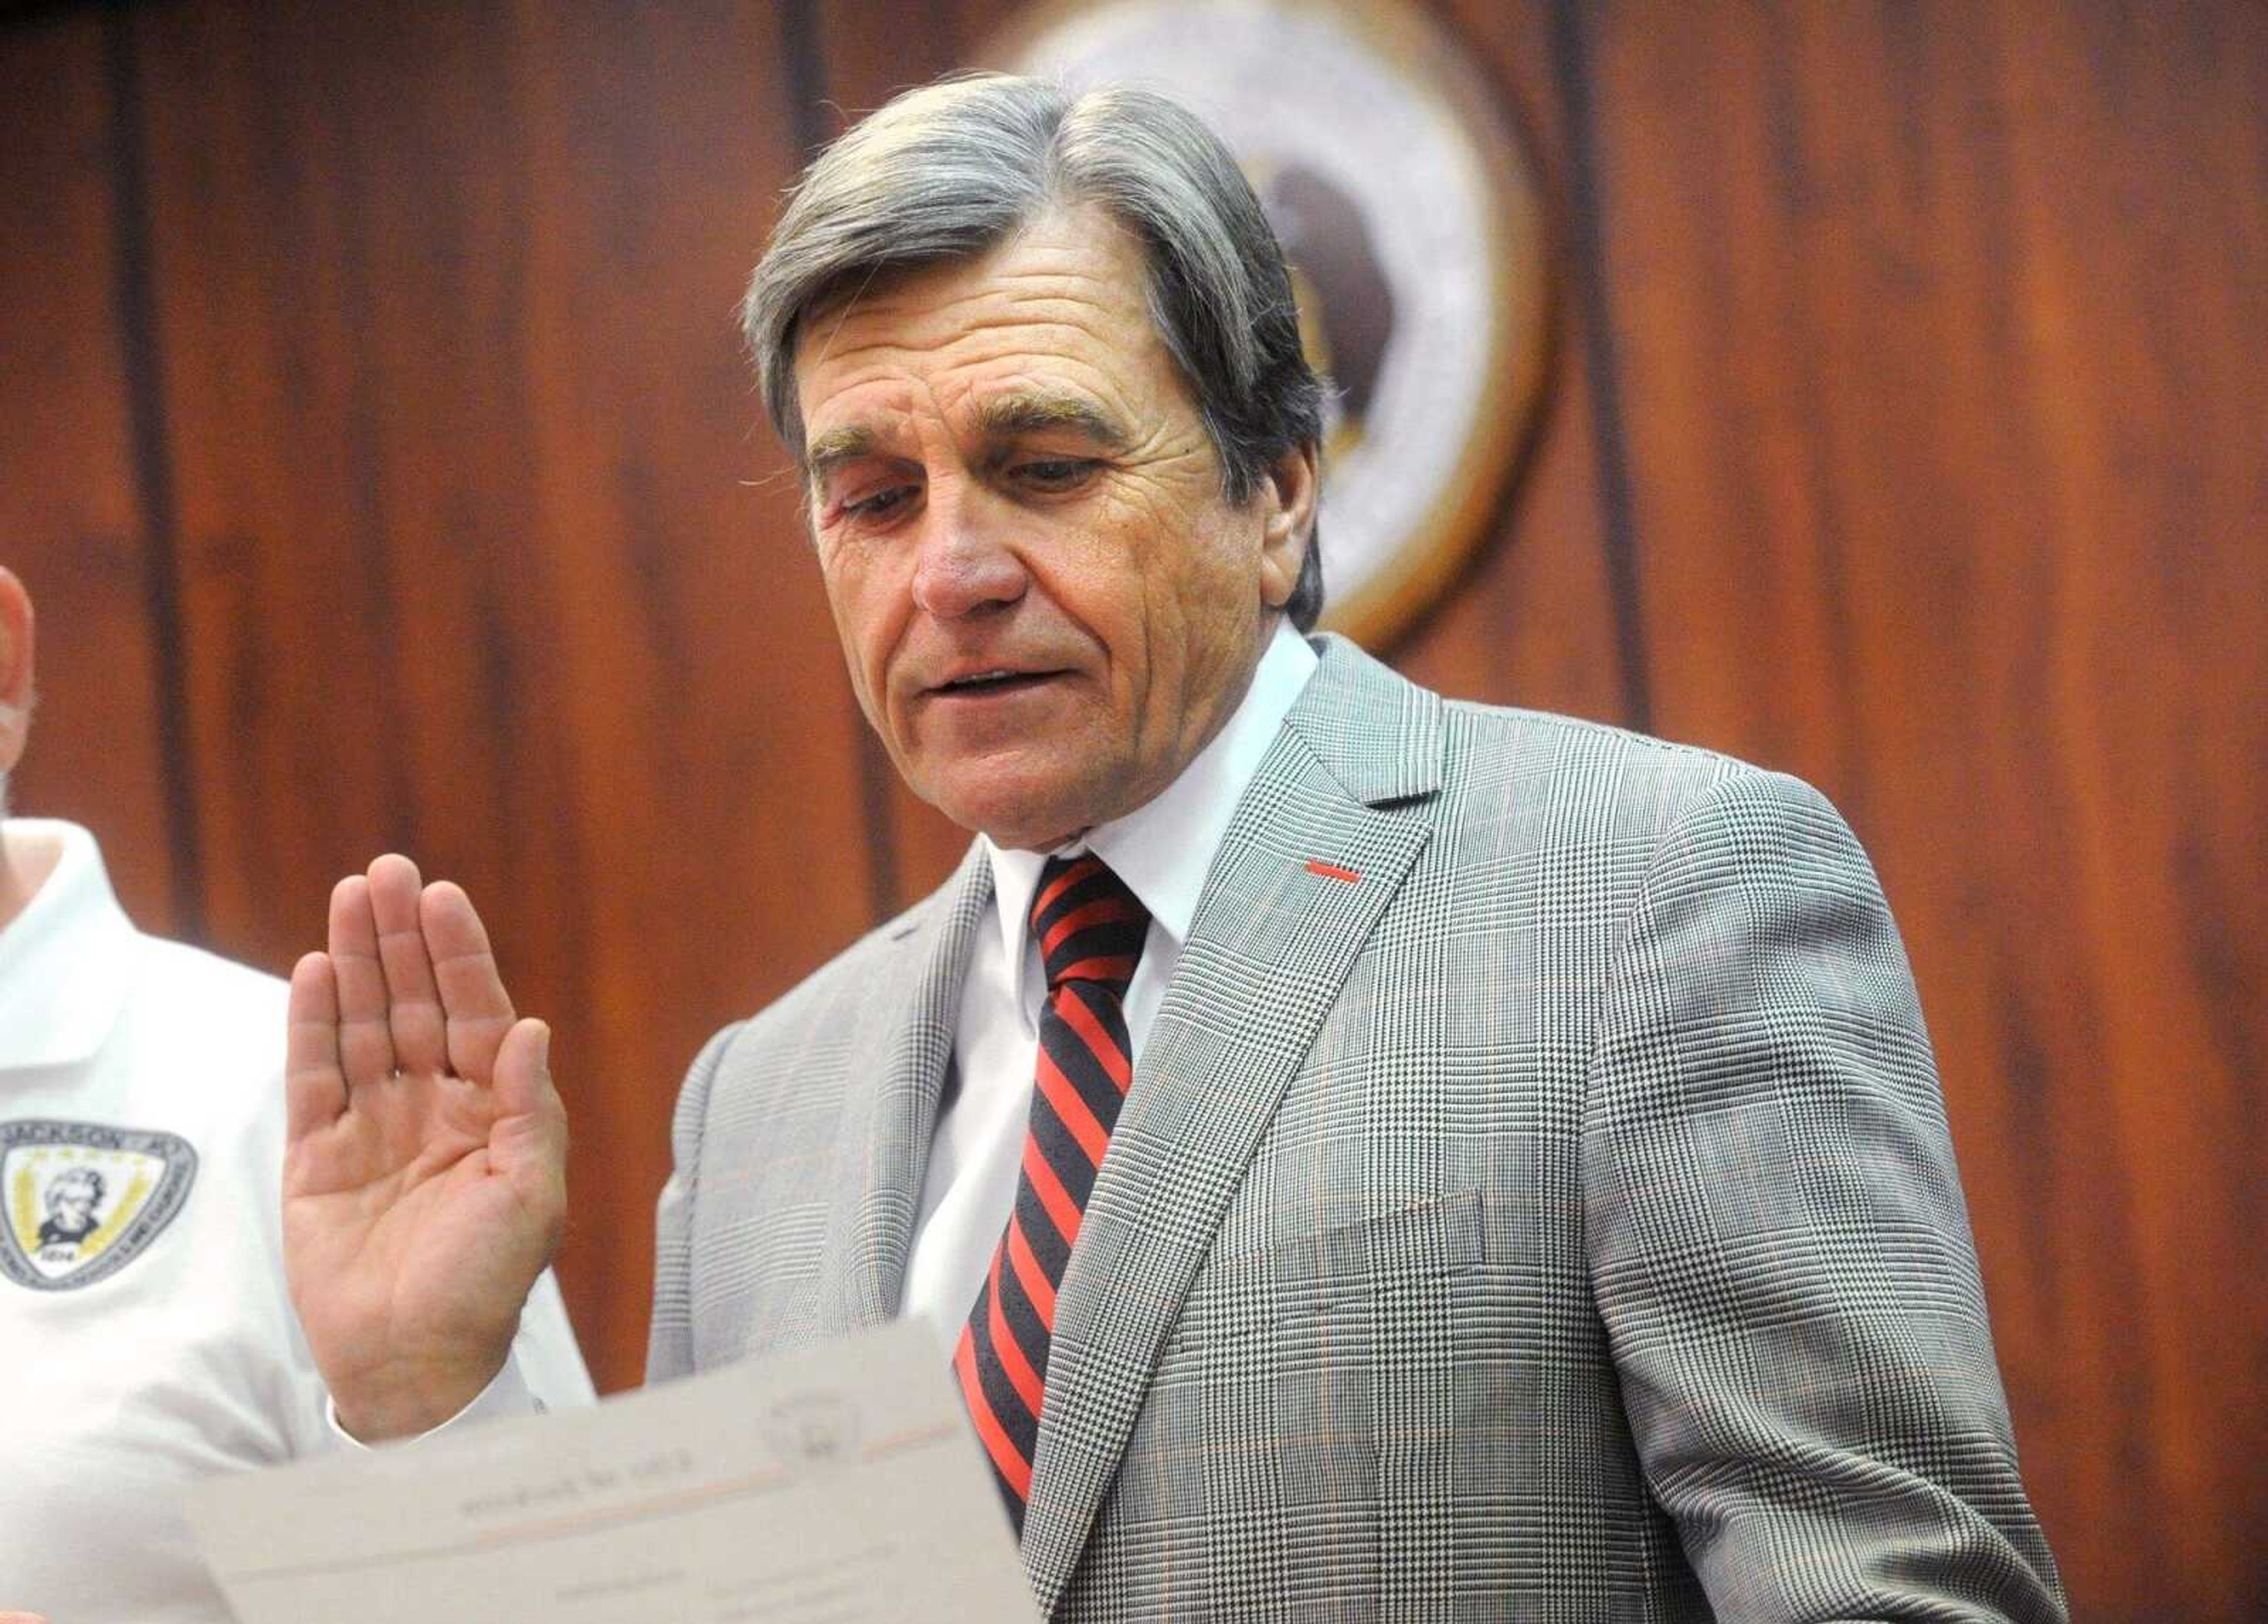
<point x="834" y="1485"/>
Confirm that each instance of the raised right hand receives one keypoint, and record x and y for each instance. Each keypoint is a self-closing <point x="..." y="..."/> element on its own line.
<point x="424" y="1184"/>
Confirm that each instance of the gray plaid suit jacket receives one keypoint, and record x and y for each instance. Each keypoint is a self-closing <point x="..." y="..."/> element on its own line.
<point x="1557" y="1222"/>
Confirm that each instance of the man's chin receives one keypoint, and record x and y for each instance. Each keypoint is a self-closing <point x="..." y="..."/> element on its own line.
<point x="1013" y="815"/>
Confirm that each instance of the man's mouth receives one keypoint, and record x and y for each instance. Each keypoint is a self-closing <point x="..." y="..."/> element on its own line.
<point x="985" y="684"/>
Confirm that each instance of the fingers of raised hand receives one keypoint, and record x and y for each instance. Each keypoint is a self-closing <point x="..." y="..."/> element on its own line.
<point x="314" y="1086"/>
<point x="477" y="1009"/>
<point x="365" y="1033"/>
<point x="413" y="1017"/>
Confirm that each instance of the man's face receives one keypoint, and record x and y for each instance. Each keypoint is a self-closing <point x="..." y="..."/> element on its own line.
<point x="1046" y="605"/>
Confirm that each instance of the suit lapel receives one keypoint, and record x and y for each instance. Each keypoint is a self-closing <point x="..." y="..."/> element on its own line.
<point x="1344" y="791"/>
<point x="893" y="1073"/>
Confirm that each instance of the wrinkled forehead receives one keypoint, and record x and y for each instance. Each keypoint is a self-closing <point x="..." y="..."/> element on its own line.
<point x="1057" y="310"/>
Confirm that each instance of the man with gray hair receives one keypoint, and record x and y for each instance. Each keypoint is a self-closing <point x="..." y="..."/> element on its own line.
<point x="1363" y="1154"/>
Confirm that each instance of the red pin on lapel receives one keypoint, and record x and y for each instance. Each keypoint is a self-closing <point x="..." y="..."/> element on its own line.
<point x="1331" y="870"/>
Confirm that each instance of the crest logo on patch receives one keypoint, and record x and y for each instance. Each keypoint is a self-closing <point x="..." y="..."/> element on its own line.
<point x="84" y="1199"/>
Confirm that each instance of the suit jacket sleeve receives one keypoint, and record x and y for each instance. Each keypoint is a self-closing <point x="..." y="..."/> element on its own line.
<point x="1777" y="1242"/>
<point x="669" y="1342"/>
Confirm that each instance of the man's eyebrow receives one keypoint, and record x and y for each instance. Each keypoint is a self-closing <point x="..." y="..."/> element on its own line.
<point x="1005" y="416"/>
<point x="835" y="447"/>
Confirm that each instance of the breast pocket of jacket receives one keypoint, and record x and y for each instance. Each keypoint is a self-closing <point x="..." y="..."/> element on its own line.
<point x="1300" y="1378"/>
<point x="1393" y="1263"/>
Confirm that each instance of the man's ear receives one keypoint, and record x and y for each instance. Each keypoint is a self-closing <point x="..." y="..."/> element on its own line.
<point x="15" y="668"/>
<point x="1287" y="496"/>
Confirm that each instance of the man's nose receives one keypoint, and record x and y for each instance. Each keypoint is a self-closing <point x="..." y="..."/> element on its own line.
<point x="965" y="565"/>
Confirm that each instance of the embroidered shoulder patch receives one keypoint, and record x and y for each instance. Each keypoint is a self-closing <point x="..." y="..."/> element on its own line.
<point x="84" y="1199"/>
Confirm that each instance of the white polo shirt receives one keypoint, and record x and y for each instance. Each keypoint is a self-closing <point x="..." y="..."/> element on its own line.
<point x="145" y="1333"/>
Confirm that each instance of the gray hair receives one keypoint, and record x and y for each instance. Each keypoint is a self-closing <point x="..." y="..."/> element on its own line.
<point x="946" y="173"/>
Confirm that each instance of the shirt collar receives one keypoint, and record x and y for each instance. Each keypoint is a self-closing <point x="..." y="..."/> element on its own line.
<point x="64" y="959"/>
<point x="1164" y="848"/>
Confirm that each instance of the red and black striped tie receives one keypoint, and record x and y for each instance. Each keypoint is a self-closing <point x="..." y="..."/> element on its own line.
<point x="1089" y="927"/>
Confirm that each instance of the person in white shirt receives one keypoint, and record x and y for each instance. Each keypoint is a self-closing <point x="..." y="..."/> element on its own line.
<point x="150" y="1338"/>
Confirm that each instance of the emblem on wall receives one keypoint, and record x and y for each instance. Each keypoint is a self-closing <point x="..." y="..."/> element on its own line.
<point x="1415" y="232"/>
<point x="84" y="1198"/>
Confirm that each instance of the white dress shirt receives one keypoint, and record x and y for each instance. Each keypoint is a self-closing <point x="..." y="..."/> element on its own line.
<point x="1162" y="850"/>
<point x="159" y="1347"/>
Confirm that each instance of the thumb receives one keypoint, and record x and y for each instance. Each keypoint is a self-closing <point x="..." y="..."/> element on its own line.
<point x="528" y="1144"/>
<point x="522" y="1078"/>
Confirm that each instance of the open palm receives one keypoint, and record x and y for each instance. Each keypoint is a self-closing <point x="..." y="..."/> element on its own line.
<point x="424" y="1185"/>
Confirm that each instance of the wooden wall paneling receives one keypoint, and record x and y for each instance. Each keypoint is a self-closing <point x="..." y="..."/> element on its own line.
<point x="475" y="571"/>
<point x="872" y="52"/>
<point x="352" y="476"/>
<point x="716" y="741"/>
<point x="1808" y="353"/>
<point x="72" y="523"/>
<point x="294" y="679"/>
<point x="1536" y="620"/>
<point x="2139" y="197"/>
<point x="1945" y="496"/>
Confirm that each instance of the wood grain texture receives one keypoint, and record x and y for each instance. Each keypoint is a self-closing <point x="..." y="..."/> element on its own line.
<point x="1941" y="327"/>
<point x="483" y="561"/>
<point x="72" y="519"/>
<point x="1534" y="620"/>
